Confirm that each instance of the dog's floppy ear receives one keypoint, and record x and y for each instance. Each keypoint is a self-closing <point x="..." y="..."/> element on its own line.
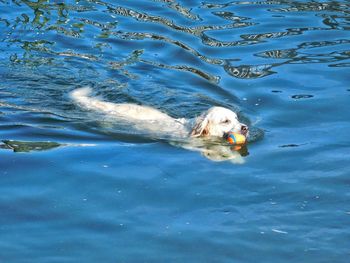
<point x="201" y="127"/>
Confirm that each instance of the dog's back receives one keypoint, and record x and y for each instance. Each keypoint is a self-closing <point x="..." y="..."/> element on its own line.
<point x="125" y="110"/>
<point x="143" y="117"/>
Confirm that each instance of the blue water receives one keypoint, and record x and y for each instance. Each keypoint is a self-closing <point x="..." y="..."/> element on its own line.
<point x="78" y="187"/>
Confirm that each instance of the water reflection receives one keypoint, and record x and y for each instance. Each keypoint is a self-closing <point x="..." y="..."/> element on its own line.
<point x="281" y="54"/>
<point x="211" y="78"/>
<point x="211" y="5"/>
<point x="144" y="17"/>
<point x="179" y="8"/>
<point x="142" y="36"/>
<point x="210" y="41"/>
<point x="264" y="36"/>
<point x="68" y="19"/>
<point x="313" y="6"/>
<point x="301" y="96"/>
<point x="20" y="146"/>
<point x="249" y="72"/>
<point x="232" y="17"/>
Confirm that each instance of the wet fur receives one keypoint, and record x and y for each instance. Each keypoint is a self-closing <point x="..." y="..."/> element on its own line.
<point x="212" y="123"/>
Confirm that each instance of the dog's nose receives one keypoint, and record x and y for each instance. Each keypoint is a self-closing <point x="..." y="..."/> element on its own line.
<point x="244" y="129"/>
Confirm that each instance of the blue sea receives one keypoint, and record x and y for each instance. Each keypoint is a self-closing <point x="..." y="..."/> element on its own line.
<point x="76" y="186"/>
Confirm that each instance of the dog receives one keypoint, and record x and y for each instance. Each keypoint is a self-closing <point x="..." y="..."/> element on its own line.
<point x="212" y="124"/>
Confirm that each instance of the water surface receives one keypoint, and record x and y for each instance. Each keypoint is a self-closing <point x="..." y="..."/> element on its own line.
<point x="75" y="186"/>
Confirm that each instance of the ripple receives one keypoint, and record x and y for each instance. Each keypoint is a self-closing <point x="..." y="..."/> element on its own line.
<point x="302" y="96"/>
<point x="144" y="17"/>
<point x="325" y="43"/>
<point x="292" y="145"/>
<point x="280" y="54"/>
<point x="65" y="31"/>
<point x="312" y="6"/>
<point x="198" y="72"/>
<point x="20" y="146"/>
<point x="249" y="71"/>
<point x="340" y="65"/>
<point x="272" y="35"/>
<point x="78" y="55"/>
<point x="142" y="36"/>
<point x="217" y="43"/>
<point x="104" y="26"/>
<point x="76" y="28"/>
<point x="5" y="21"/>
<point x="231" y="16"/>
<point x="180" y="9"/>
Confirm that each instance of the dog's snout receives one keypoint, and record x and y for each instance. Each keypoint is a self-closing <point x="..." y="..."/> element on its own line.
<point x="244" y="129"/>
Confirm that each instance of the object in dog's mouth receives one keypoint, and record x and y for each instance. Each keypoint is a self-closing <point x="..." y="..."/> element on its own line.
<point x="235" y="138"/>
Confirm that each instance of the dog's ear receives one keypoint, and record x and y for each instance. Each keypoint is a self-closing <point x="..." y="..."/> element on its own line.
<point x="201" y="127"/>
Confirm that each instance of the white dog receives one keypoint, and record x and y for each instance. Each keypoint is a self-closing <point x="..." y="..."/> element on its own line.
<point x="213" y="123"/>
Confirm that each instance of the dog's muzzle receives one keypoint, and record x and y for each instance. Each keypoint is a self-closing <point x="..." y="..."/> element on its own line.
<point x="244" y="130"/>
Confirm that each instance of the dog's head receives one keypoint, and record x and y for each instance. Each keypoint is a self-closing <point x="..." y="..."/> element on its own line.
<point x="216" y="122"/>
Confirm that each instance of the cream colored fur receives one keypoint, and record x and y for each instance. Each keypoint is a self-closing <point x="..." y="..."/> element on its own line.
<point x="215" y="122"/>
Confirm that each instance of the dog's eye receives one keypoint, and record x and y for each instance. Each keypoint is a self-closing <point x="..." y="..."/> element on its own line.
<point x="226" y="121"/>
